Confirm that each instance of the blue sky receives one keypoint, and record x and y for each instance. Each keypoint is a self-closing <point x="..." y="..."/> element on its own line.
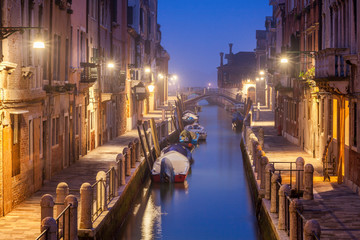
<point x="194" y="32"/>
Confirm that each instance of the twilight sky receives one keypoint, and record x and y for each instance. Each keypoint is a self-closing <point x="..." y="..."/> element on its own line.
<point x="194" y="32"/>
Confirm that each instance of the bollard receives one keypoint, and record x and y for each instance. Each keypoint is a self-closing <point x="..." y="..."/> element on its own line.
<point x="300" y="173"/>
<point x="252" y="147"/>
<point x="62" y="190"/>
<point x="264" y="162"/>
<point x="294" y="205"/>
<point x="101" y="191"/>
<point x="47" y="206"/>
<point x="137" y="149"/>
<point x="275" y="179"/>
<point x="312" y="227"/>
<point x="70" y="221"/>
<point x="256" y="148"/>
<point x="126" y="152"/>
<point x="308" y="182"/>
<point x="259" y="155"/>
<point x="86" y="194"/>
<point x="283" y="191"/>
<point x="121" y="173"/>
<point x="261" y="137"/>
<point x="132" y="154"/>
<point x="269" y="169"/>
<point x="50" y="224"/>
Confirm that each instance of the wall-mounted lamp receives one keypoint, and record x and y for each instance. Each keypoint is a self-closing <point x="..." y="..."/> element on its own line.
<point x="284" y="60"/>
<point x="147" y="69"/>
<point x="151" y="88"/>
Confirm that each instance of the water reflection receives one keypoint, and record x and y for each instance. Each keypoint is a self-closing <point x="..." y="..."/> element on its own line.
<point x="214" y="203"/>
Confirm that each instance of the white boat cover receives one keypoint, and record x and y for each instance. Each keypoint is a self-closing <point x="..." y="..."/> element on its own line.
<point x="180" y="163"/>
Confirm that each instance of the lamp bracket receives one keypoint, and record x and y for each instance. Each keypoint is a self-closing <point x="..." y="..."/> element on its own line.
<point x="5" y="32"/>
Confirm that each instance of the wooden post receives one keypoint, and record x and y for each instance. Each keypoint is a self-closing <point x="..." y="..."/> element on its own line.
<point x="155" y="137"/>
<point x="143" y="148"/>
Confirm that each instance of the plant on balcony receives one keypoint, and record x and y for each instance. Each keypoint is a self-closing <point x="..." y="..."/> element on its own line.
<point x="308" y="77"/>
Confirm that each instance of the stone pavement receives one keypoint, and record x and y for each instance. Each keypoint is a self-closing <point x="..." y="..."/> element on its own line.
<point x="336" y="207"/>
<point x="24" y="221"/>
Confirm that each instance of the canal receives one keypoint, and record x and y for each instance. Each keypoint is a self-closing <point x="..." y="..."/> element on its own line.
<point x="214" y="202"/>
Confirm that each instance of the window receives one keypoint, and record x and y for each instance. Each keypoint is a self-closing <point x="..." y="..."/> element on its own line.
<point x="355" y="122"/>
<point x="322" y="114"/>
<point x="330" y="118"/>
<point x="66" y="60"/>
<point x="335" y="120"/>
<point x="56" y="57"/>
<point x="31" y="139"/>
<point x="16" y="129"/>
<point x="55" y="131"/>
<point x="15" y="158"/>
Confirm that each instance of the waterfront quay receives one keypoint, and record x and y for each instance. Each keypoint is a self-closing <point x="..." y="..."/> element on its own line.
<point x="335" y="207"/>
<point x="24" y="221"/>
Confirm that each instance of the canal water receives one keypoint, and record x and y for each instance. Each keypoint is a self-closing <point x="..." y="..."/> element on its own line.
<point x="214" y="202"/>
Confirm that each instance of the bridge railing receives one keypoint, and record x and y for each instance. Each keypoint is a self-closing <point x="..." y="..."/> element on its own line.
<point x="220" y="91"/>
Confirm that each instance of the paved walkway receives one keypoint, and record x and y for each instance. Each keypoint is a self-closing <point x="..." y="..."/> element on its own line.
<point x="335" y="206"/>
<point x="24" y="221"/>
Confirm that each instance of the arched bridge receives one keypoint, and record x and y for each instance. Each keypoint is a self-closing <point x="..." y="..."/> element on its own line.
<point x="206" y="93"/>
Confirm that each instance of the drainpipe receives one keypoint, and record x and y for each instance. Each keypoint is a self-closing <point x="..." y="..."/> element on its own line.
<point x="50" y="96"/>
<point x="100" y="62"/>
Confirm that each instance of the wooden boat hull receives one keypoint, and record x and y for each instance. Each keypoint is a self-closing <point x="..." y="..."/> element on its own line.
<point x="178" y="162"/>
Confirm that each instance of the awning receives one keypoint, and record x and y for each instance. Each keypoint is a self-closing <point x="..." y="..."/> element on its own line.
<point x="17" y="111"/>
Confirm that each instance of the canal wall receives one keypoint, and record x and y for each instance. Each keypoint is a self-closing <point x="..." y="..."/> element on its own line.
<point x="109" y="221"/>
<point x="265" y="221"/>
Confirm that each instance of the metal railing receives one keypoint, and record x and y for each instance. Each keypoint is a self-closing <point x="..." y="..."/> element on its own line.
<point x="300" y="220"/>
<point x="291" y="170"/>
<point x="43" y="234"/>
<point x="287" y="200"/>
<point x="97" y="203"/>
<point x="110" y="184"/>
<point x="61" y="223"/>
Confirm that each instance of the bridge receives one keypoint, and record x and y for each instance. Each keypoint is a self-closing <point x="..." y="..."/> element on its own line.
<point x="208" y="93"/>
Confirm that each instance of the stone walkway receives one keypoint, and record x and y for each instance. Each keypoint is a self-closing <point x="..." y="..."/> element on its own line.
<point x="24" y="221"/>
<point x="335" y="206"/>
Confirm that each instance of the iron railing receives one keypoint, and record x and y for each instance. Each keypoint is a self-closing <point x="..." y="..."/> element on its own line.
<point x="110" y="184"/>
<point x="97" y="202"/>
<point x="291" y="170"/>
<point x="43" y="234"/>
<point x="287" y="213"/>
<point x="62" y="223"/>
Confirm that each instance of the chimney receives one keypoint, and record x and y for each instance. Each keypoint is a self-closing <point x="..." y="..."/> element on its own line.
<point x="221" y="59"/>
<point x="230" y="46"/>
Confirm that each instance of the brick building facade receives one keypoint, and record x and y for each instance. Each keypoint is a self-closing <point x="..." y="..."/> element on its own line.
<point x="60" y="102"/>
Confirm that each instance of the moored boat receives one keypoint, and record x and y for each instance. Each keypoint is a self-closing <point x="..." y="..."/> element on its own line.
<point x="189" y="137"/>
<point x="184" y="150"/>
<point x="170" y="167"/>
<point x="237" y="121"/>
<point x="189" y="118"/>
<point x="197" y="128"/>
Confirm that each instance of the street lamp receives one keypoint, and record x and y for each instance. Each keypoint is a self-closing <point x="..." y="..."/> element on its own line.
<point x="39" y="44"/>
<point x="110" y="65"/>
<point x="147" y="70"/>
<point x="151" y="88"/>
<point x="284" y="60"/>
<point x="161" y="76"/>
<point x="262" y="72"/>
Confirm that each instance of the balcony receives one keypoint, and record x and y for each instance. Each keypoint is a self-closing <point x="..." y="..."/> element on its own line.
<point x="89" y="73"/>
<point x="331" y="71"/>
<point x="330" y="64"/>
